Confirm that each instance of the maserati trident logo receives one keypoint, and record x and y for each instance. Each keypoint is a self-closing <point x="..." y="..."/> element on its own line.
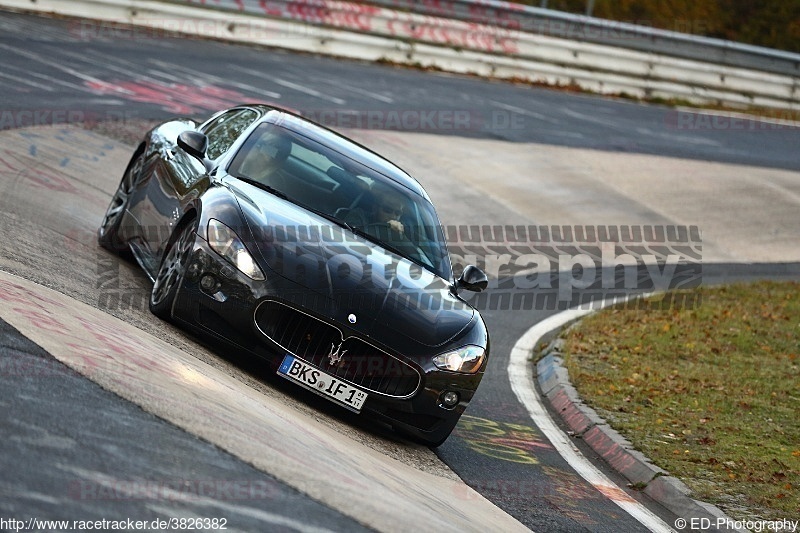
<point x="336" y="353"/>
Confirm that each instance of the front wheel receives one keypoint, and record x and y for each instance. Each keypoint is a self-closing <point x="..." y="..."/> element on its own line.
<point x="170" y="273"/>
<point x="108" y="236"/>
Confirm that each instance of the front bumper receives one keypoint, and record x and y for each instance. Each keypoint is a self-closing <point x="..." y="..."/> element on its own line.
<point x="227" y="308"/>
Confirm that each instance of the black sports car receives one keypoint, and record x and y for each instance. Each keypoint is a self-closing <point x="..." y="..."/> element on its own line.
<point x="289" y="241"/>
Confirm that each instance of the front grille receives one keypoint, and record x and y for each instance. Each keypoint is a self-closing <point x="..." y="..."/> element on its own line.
<point x="296" y="332"/>
<point x="311" y="339"/>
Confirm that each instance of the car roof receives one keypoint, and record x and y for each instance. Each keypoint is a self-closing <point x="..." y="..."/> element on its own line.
<point x="338" y="142"/>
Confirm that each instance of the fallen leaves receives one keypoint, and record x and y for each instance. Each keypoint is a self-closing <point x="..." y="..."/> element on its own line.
<point x="708" y="393"/>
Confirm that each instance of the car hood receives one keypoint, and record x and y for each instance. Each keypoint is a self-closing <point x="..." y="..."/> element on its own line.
<point x="359" y="277"/>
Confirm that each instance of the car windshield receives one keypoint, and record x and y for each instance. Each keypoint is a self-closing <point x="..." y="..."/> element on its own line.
<point x="345" y="191"/>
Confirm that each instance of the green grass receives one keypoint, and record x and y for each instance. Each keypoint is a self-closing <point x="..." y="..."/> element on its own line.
<point x="710" y="394"/>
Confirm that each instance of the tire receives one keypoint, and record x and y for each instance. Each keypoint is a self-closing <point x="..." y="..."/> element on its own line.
<point x="108" y="235"/>
<point x="171" y="271"/>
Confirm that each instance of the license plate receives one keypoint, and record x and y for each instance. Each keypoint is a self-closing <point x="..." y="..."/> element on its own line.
<point x="324" y="384"/>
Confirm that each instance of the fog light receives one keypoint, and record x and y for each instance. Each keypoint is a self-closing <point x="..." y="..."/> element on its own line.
<point x="228" y="272"/>
<point x="208" y="283"/>
<point x="193" y="270"/>
<point x="449" y="399"/>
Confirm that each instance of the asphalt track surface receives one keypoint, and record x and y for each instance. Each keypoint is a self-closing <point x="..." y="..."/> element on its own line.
<point x="49" y="67"/>
<point x="62" y="429"/>
<point x="106" y="72"/>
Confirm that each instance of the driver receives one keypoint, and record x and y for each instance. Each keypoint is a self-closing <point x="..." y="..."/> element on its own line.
<point x="265" y="159"/>
<point x="379" y="215"/>
<point x="388" y="211"/>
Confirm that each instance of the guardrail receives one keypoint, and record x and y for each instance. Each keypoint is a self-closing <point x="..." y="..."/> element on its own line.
<point x="371" y="32"/>
<point x="607" y="32"/>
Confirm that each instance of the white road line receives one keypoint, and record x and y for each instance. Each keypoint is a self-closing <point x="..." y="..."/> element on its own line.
<point x="132" y="68"/>
<point x="187" y="74"/>
<point x="521" y="376"/>
<point x="106" y="101"/>
<point x="106" y="58"/>
<point x="568" y="134"/>
<point x="674" y="137"/>
<point x="523" y="111"/>
<point x="128" y="68"/>
<point x="363" y="92"/>
<point x="518" y="110"/>
<point x="603" y="121"/>
<point x="25" y="82"/>
<point x="170" y="494"/>
<point x="54" y="64"/>
<point x="203" y="77"/>
<point x="10" y="86"/>
<point x="164" y="75"/>
<point x="290" y="85"/>
<point x="308" y="90"/>
<point x="49" y="79"/>
<point x="785" y="193"/>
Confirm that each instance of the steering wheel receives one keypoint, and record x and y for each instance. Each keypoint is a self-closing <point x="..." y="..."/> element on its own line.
<point x="388" y="226"/>
<point x="402" y="240"/>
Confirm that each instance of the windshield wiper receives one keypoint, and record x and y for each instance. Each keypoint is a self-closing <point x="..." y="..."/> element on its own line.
<point x="270" y="189"/>
<point x="326" y="216"/>
<point x="391" y="248"/>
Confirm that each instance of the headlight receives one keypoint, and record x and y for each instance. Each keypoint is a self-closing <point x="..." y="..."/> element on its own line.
<point x="226" y="243"/>
<point x="467" y="359"/>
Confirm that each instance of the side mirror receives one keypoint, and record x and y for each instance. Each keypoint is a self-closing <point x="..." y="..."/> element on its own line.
<point x="193" y="143"/>
<point x="472" y="279"/>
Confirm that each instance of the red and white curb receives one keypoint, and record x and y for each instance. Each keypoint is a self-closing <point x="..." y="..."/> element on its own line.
<point x="605" y="441"/>
<point x="520" y="374"/>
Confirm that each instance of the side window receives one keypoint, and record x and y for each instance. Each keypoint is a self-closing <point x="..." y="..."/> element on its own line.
<point x="225" y="129"/>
